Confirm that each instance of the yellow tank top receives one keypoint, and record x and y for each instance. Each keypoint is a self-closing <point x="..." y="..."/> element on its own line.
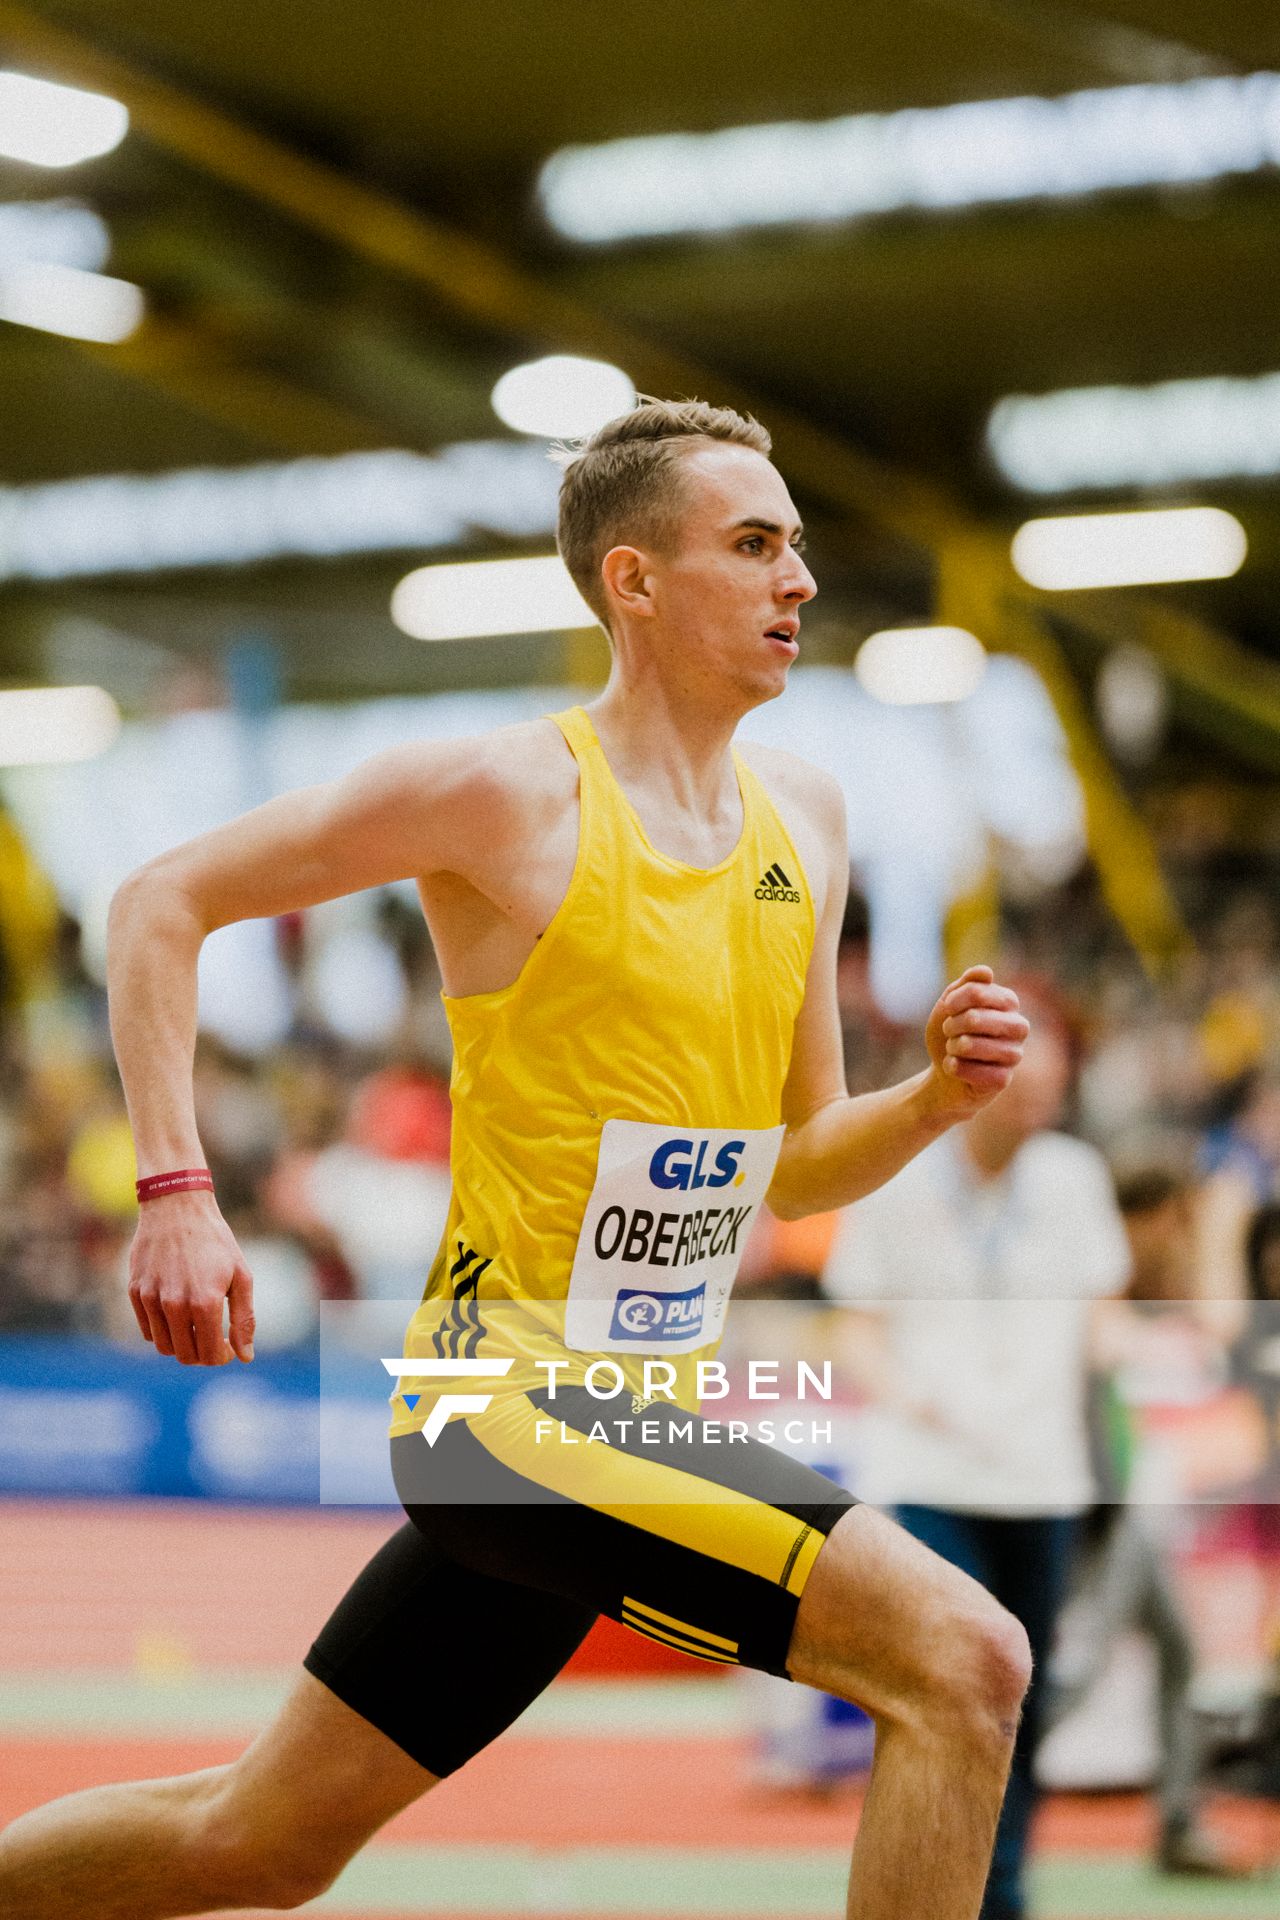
<point x="617" y="1108"/>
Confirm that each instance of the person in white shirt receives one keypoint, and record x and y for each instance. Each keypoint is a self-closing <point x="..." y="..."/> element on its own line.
<point x="973" y="1272"/>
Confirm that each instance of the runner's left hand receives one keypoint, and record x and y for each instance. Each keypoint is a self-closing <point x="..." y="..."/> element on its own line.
<point x="975" y="1036"/>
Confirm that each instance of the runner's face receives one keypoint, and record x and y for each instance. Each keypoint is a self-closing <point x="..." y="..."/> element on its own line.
<point x="729" y="598"/>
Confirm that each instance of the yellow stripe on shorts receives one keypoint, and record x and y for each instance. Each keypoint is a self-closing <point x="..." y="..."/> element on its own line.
<point x="720" y="1522"/>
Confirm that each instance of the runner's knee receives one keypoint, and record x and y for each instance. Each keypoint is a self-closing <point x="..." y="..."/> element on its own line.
<point x="962" y="1673"/>
<point x="983" y="1679"/>
<point x="973" y="1664"/>
<point x="889" y="1625"/>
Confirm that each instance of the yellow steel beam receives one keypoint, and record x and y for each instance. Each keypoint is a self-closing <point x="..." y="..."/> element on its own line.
<point x="1121" y="843"/>
<point x="978" y="589"/>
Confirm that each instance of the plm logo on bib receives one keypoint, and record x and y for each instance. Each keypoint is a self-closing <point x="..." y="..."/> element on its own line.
<point x="663" y="1233"/>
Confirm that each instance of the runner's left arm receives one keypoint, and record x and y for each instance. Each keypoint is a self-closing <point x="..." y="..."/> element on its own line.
<point x="839" y="1147"/>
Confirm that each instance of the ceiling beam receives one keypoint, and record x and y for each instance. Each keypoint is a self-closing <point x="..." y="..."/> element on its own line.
<point x="192" y="365"/>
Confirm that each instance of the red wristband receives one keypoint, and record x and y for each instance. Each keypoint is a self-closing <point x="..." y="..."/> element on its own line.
<point x="181" y="1180"/>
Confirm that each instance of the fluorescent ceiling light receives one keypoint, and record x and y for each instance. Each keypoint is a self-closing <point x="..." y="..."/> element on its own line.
<point x="1138" y="436"/>
<point x="49" y="726"/>
<point x="925" y="158"/>
<point x="475" y="597"/>
<point x="231" y="516"/>
<point x="562" y="396"/>
<point x="69" y="301"/>
<point x="920" y="666"/>
<point x="65" y="231"/>
<point x="54" y="126"/>
<point x="1129" y="549"/>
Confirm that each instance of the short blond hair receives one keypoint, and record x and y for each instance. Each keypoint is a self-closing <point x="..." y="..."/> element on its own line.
<point x="621" y="484"/>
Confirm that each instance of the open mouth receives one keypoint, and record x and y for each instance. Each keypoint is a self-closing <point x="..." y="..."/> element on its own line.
<point x="786" y="634"/>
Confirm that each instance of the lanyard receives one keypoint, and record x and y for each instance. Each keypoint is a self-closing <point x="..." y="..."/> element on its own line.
<point x="987" y="1214"/>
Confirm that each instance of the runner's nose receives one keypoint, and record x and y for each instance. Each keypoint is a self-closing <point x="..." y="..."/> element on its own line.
<point x="799" y="584"/>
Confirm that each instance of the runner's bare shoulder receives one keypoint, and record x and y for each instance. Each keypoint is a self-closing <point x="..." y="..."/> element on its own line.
<point x="527" y="769"/>
<point x="789" y="773"/>
<point x="502" y="792"/>
<point x="809" y="801"/>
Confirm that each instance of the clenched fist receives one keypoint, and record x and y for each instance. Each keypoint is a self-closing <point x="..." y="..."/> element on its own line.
<point x="975" y="1036"/>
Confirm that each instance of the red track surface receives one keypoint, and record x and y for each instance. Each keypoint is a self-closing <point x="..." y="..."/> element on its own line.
<point x="81" y="1583"/>
<point x="639" y="1793"/>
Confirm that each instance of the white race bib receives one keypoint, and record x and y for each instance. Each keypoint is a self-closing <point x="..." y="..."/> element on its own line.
<point x="663" y="1233"/>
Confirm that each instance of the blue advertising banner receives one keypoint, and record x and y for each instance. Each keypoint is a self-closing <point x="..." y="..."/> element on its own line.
<point x="78" y="1416"/>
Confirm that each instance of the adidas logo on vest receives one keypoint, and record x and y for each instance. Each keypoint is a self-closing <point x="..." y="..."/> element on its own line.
<point x="776" y="886"/>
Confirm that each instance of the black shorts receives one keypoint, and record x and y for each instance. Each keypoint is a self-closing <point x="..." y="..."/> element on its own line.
<point x="515" y="1544"/>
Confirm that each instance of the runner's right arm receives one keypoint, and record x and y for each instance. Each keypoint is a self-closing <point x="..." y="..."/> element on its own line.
<point x="411" y="811"/>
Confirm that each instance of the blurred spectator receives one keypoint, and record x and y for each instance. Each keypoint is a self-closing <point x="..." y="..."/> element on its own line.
<point x="367" y="1190"/>
<point x="237" y="1118"/>
<point x="1125" y="1578"/>
<point x="973" y="1271"/>
<point x="42" y="1228"/>
<point x="1256" y="1360"/>
<point x="28" y="917"/>
<point x="1258" y="1356"/>
<point x="1241" y="1161"/>
<point x="286" y="1292"/>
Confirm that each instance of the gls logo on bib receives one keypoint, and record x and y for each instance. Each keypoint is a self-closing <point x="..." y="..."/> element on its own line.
<point x="672" y="1166"/>
<point x="664" y="1203"/>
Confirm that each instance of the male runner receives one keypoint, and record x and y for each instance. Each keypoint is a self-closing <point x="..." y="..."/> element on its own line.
<point x="637" y="932"/>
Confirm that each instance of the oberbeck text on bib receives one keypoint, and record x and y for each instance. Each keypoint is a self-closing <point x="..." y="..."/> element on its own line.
<point x="663" y="1233"/>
